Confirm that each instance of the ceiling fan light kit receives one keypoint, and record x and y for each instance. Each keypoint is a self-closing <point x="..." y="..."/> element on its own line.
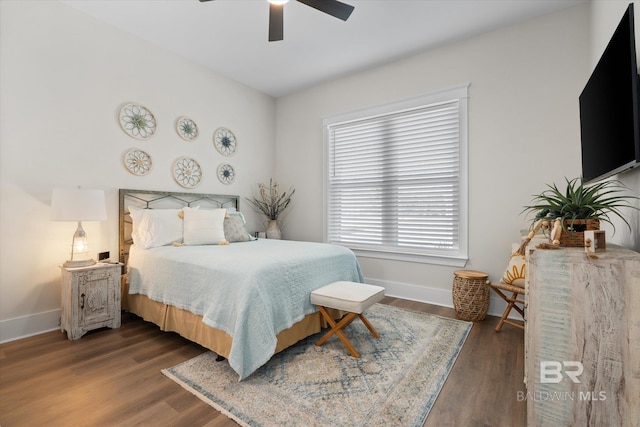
<point x="276" y="21"/>
<point x="334" y="8"/>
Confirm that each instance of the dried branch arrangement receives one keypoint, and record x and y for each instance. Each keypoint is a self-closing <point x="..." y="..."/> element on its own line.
<point x="270" y="202"/>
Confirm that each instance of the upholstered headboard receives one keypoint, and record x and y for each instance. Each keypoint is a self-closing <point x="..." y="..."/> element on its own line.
<point x="146" y="199"/>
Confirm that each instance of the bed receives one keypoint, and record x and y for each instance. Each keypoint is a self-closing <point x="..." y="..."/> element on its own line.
<point x="245" y="300"/>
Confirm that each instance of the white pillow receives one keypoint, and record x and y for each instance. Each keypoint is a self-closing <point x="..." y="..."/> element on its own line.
<point x="155" y="227"/>
<point x="204" y="227"/>
<point x="136" y="218"/>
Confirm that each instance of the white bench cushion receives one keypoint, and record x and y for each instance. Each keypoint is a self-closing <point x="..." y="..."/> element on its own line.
<point x="347" y="296"/>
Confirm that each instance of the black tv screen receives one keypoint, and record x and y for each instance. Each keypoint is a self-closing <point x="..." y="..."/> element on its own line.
<point x="610" y="108"/>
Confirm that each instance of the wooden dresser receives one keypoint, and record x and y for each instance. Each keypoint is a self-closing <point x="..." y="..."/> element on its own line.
<point x="582" y="338"/>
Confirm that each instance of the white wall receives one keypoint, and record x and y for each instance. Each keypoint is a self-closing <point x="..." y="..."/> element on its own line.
<point x="605" y="16"/>
<point x="523" y="133"/>
<point x="63" y="78"/>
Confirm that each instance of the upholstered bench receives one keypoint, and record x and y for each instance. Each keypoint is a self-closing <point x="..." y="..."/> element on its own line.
<point x="351" y="297"/>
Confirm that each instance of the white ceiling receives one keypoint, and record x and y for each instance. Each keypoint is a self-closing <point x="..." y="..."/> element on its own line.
<point x="230" y="36"/>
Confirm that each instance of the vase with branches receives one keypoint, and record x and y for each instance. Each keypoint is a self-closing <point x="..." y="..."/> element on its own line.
<point x="271" y="203"/>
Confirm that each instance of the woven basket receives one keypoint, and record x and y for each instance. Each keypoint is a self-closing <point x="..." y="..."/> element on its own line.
<point x="470" y="294"/>
<point x="576" y="238"/>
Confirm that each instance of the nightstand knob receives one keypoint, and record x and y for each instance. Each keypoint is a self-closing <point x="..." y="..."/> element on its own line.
<point x="82" y="301"/>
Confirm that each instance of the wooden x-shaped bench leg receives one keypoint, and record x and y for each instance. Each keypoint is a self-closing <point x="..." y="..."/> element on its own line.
<point x="336" y="328"/>
<point x="511" y="304"/>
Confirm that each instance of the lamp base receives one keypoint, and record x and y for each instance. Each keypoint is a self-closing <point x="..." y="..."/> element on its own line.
<point x="79" y="263"/>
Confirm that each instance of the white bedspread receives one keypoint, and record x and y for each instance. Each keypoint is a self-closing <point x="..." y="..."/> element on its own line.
<point x="251" y="290"/>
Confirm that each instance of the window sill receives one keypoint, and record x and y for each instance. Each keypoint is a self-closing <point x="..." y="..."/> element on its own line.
<point x="444" y="259"/>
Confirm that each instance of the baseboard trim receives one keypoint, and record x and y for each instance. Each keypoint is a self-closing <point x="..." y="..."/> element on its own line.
<point x="28" y="326"/>
<point x="39" y="323"/>
<point x="437" y="296"/>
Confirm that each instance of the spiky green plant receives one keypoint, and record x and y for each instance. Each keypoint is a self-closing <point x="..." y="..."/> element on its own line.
<point x="271" y="203"/>
<point x="578" y="201"/>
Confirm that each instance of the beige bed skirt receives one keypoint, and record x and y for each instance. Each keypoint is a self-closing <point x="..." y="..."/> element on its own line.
<point x="190" y="326"/>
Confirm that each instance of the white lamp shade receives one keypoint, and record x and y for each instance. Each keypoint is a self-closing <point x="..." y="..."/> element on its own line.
<point x="78" y="205"/>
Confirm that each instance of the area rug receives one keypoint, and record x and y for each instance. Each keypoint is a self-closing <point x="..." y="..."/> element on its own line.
<point x="395" y="382"/>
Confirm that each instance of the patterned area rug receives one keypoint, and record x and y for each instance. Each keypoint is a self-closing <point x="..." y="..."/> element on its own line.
<point x="394" y="383"/>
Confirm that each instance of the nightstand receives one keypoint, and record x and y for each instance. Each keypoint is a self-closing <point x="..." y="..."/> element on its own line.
<point x="90" y="298"/>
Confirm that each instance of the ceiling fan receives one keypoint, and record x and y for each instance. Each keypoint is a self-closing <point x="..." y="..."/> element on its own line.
<point x="276" y="22"/>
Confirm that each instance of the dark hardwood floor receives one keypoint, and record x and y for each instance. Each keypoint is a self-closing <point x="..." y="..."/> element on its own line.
<point x="112" y="378"/>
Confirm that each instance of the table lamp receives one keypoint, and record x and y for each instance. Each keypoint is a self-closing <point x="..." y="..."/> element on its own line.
<point x="78" y="205"/>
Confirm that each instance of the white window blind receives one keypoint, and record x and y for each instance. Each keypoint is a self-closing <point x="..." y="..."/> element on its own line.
<point x="394" y="181"/>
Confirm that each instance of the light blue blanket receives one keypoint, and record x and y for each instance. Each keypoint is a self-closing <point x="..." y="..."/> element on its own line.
<point x="251" y="290"/>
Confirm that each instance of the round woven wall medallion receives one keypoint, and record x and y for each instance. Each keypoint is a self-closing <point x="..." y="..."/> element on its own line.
<point x="137" y="121"/>
<point x="226" y="174"/>
<point x="225" y="141"/>
<point x="187" y="172"/>
<point x="187" y="129"/>
<point x="137" y="162"/>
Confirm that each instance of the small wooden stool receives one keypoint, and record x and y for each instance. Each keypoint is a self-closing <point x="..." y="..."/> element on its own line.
<point x="352" y="297"/>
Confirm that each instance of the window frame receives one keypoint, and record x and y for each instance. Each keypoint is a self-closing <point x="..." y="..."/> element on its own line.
<point x="457" y="258"/>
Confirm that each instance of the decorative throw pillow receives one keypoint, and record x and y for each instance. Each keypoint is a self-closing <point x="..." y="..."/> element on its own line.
<point x="204" y="227"/>
<point x="234" y="228"/>
<point x="136" y="218"/>
<point x="515" y="272"/>
<point x="155" y="227"/>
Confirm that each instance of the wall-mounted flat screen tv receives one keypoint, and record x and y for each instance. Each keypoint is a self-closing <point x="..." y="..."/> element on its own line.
<point x="610" y="108"/>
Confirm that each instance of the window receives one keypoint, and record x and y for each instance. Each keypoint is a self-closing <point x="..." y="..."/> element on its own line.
<point x="396" y="179"/>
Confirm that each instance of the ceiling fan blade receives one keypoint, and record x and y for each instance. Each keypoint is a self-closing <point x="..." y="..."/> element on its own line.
<point x="332" y="7"/>
<point x="276" y="22"/>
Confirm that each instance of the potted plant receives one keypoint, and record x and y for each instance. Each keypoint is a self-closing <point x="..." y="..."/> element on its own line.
<point x="579" y="208"/>
<point x="271" y="203"/>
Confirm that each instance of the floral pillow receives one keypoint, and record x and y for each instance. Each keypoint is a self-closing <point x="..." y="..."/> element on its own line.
<point x="234" y="228"/>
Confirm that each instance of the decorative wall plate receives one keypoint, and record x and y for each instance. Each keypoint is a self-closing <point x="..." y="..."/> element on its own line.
<point x="137" y="121"/>
<point x="187" y="128"/>
<point x="137" y="162"/>
<point x="187" y="172"/>
<point x="225" y="141"/>
<point x="226" y="174"/>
